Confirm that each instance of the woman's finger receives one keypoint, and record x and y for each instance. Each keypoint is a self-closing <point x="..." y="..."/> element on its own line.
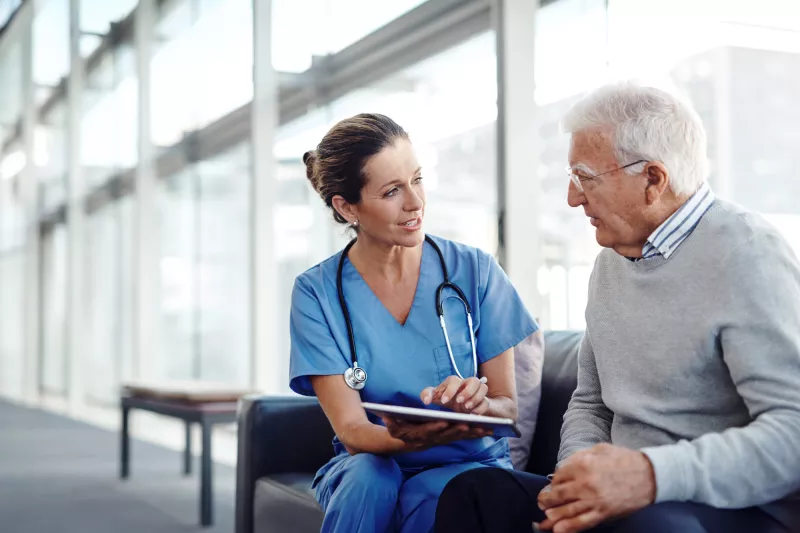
<point x="427" y="395"/>
<point x="449" y="393"/>
<point x="477" y="397"/>
<point x="453" y="432"/>
<point x="430" y="428"/>
<point x="467" y="390"/>
<point x="391" y="425"/>
<point x="481" y="408"/>
<point x="438" y="391"/>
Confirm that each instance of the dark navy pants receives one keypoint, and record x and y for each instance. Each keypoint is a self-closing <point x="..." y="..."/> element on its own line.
<point x="489" y="500"/>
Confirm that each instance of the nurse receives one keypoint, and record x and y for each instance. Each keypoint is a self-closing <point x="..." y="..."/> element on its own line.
<point x="387" y="475"/>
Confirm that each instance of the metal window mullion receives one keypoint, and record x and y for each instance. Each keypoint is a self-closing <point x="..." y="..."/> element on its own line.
<point x="146" y="314"/>
<point x="265" y="362"/>
<point x="32" y="319"/>
<point x="520" y="250"/>
<point x="76" y="219"/>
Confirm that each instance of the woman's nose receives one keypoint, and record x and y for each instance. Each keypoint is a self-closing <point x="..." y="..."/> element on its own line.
<point x="414" y="202"/>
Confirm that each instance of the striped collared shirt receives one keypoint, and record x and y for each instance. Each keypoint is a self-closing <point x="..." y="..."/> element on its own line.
<point x="669" y="235"/>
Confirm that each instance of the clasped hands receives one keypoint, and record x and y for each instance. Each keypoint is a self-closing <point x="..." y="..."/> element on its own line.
<point x="459" y="395"/>
<point x="594" y="485"/>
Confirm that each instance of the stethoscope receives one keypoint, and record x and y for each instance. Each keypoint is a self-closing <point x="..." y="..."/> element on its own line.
<point x="355" y="376"/>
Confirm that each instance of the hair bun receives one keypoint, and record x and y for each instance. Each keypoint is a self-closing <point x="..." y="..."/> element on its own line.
<point x="310" y="161"/>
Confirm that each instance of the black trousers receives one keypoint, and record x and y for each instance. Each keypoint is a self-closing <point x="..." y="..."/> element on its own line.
<point x="488" y="500"/>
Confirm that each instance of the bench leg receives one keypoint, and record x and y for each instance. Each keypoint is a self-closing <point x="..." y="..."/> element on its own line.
<point x="187" y="451"/>
<point x="206" y="504"/>
<point x="124" y="445"/>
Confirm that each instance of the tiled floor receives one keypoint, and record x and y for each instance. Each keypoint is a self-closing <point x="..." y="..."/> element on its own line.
<point x="60" y="474"/>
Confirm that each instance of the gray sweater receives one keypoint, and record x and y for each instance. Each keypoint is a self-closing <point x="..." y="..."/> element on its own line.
<point x="695" y="360"/>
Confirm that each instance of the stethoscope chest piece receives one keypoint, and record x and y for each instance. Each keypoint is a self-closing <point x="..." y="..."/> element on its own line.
<point x="355" y="377"/>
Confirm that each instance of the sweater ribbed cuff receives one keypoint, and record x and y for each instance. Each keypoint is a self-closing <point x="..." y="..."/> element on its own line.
<point x="672" y="482"/>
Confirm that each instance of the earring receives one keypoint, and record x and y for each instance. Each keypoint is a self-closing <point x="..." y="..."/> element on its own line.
<point x="355" y="224"/>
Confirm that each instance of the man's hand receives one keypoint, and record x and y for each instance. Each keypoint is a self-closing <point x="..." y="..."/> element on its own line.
<point x="594" y="485"/>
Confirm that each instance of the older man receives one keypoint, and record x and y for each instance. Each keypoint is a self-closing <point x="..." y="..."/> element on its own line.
<point x="686" y="417"/>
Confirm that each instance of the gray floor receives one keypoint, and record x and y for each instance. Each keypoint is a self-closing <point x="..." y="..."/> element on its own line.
<point x="59" y="475"/>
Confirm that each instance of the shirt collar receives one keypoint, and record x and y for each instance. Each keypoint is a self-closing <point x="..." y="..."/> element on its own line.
<point x="673" y="231"/>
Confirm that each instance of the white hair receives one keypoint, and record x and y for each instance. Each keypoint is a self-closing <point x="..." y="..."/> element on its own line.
<point x="650" y="124"/>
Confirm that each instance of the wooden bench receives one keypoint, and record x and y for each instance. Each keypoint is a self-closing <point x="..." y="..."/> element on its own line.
<point x="192" y="402"/>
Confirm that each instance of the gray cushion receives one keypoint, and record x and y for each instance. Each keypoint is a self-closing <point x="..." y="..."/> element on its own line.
<point x="559" y="379"/>
<point x="528" y="361"/>
<point x="285" y="502"/>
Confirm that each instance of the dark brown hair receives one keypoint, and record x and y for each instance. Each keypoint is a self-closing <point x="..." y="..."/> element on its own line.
<point x="336" y="167"/>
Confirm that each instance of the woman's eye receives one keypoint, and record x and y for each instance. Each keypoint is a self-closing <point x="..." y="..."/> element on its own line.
<point x="391" y="192"/>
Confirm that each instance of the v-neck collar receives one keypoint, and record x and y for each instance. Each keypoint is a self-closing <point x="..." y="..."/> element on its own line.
<point x="352" y="270"/>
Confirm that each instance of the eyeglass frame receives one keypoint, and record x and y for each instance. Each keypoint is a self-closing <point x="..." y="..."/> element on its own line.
<point x="578" y="180"/>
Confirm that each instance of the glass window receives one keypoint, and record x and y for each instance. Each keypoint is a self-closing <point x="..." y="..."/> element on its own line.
<point x="50" y="64"/>
<point x="96" y="18"/>
<point x="12" y="157"/>
<point x="302" y="30"/>
<point x="126" y="287"/>
<point x="205" y="278"/>
<point x="12" y="212"/>
<point x="224" y="267"/>
<point x="12" y="288"/>
<point x="102" y="369"/>
<point x="204" y="69"/>
<point x="7" y="9"/>
<point x="50" y="46"/>
<point x="54" y="283"/>
<point x="109" y="125"/>
<point x="50" y="157"/>
<point x="177" y="205"/>
<point x="10" y="89"/>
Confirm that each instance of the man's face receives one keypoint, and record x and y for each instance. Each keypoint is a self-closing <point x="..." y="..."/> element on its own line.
<point x="614" y="202"/>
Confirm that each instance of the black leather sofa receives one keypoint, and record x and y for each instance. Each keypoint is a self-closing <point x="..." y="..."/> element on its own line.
<point x="284" y="440"/>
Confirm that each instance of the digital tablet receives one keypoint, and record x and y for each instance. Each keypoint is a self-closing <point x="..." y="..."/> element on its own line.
<point x="502" y="427"/>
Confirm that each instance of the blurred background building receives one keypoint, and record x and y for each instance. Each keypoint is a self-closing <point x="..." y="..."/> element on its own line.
<point x="154" y="209"/>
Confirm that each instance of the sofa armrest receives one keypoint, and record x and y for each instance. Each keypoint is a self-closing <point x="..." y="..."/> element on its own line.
<point x="277" y="435"/>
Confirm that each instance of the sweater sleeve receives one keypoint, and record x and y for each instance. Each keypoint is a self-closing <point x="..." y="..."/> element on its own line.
<point x="757" y="463"/>
<point x="587" y="421"/>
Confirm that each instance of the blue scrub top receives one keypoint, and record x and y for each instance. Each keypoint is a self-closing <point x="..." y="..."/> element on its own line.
<point x="401" y="360"/>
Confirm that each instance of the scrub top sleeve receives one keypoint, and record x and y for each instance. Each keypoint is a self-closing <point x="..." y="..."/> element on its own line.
<point x="314" y="351"/>
<point x="504" y="320"/>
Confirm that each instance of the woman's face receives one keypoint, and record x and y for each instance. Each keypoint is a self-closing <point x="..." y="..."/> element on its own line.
<point x="392" y="205"/>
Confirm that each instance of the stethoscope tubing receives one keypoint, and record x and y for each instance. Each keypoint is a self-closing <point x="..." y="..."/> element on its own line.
<point x="356" y="376"/>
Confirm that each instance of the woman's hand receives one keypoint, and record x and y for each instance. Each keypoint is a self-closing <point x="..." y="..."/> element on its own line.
<point x="419" y="436"/>
<point x="460" y="395"/>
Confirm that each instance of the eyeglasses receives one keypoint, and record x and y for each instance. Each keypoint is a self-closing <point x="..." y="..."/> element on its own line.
<point x="578" y="180"/>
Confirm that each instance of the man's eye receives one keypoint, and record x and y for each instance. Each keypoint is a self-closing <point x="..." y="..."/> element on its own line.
<point x="418" y="179"/>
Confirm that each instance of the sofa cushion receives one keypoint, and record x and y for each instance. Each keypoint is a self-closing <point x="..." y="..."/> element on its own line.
<point x="528" y="362"/>
<point x="285" y="502"/>
<point x="559" y="379"/>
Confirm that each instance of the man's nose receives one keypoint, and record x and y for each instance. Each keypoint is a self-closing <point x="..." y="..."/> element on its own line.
<point x="575" y="197"/>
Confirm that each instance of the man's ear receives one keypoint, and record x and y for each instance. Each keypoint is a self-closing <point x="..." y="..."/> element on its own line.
<point x="657" y="181"/>
<point x="347" y="210"/>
